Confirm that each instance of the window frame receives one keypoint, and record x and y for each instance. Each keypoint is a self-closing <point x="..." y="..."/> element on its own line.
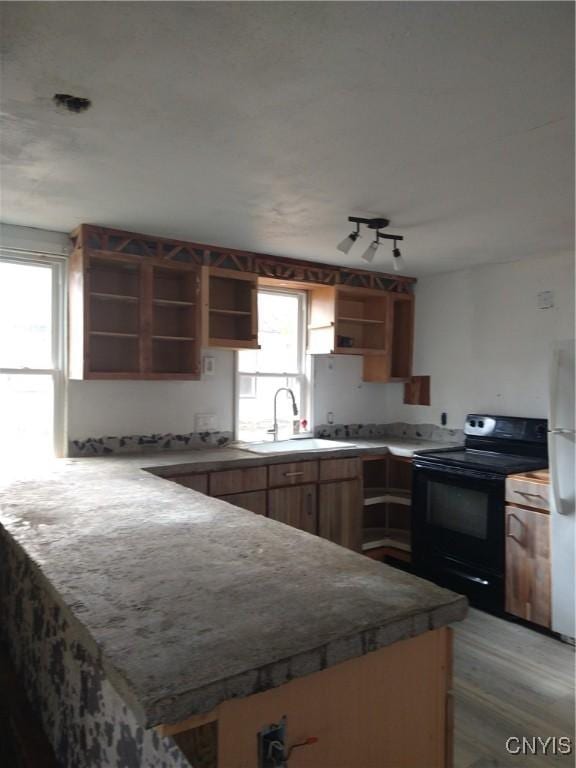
<point x="58" y="267"/>
<point x="302" y="375"/>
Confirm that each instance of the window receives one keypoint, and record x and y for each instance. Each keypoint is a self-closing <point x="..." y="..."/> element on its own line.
<point x="31" y="356"/>
<point x="280" y="362"/>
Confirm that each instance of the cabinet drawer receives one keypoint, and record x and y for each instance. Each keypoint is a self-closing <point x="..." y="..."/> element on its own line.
<point x="196" y="482"/>
<point x="237" y="481"/>
<point x="339" y="469"/>
<point x="255" y="501"/>
<point x="296" y="473"/>
<point x="528" y="493"/>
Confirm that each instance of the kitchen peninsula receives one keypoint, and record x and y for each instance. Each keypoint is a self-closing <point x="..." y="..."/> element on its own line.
<point x="154" y="625"/>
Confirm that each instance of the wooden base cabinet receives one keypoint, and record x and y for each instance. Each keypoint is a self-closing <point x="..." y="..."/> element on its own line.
<point x="340" y="513"/>
<point x="295" y="506"/>
<point x="528" y="565"/>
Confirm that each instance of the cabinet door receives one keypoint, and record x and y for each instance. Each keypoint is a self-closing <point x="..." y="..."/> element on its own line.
<point x="340" y="513"/>
<point x="528" y="565"/>
<point x="294" y="506"/>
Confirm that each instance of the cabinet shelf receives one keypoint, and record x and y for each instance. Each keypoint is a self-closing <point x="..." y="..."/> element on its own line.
<point x="114" y="297"/>
<point x="173" y="303"/>
<point x="360" y="320"/>
<point x="397" y="538"/>
<point x="115" y="334"/>
<point x="358" y="351"/>
<point x="386" y="496"/>
<point x="231" y="312"/>
<point x="173" y="338"/>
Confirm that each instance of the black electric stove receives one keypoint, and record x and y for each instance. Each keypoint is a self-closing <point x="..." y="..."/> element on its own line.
<point x="458" y="510"/>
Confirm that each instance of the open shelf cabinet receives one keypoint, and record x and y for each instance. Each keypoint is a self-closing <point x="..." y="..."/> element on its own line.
<point x="387" y="482"/>
<point x="133" y="318"/>
<point x="376" y="324"/>
<point x="230" y="309"/>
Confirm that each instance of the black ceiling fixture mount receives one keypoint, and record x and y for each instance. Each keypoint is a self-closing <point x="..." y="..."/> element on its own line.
<point x="375" y="224"/>
<point x="74" y="104"/>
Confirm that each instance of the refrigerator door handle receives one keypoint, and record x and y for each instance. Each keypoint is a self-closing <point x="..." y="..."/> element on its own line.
<point x="554" y="374"/>
<point x="554" y="479"/>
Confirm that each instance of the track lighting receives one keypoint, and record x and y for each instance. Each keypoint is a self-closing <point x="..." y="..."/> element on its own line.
<point x="370" y="252"/>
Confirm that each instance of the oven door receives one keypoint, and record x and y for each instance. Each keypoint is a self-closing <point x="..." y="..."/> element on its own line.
<point x="458" y="518"/>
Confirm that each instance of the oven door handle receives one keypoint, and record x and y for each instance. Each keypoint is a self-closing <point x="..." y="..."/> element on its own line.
<point x="468" y="577"/>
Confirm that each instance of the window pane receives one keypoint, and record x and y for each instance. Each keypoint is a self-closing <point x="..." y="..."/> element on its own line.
<point x="26" y="415"/>
<point x="25" y="316"/>
<point x="278" y="336"/>
<point x="256" y="406"/>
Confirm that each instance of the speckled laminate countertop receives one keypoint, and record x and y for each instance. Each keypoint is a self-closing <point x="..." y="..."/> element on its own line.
<point x="190" y="601"/>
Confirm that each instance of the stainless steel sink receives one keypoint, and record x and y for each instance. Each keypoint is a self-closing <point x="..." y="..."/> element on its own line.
<point x="294" y="446"/>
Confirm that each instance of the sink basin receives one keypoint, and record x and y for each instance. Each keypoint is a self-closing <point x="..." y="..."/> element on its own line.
<point x="295" y="446"/>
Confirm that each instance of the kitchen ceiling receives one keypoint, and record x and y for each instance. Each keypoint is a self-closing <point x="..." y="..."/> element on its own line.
<point x="265" y="125"/>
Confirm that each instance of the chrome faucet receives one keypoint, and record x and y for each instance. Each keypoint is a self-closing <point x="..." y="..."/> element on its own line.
<point x="274" y="430"/>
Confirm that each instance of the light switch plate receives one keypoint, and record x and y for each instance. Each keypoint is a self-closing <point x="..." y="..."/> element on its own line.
<point x="545" y="300"/>
<point x="205" y="422"/>
<point x="208" y="365"/>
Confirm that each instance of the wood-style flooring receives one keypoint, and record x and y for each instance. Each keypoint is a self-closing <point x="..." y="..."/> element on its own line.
<point x="509" y="681"/>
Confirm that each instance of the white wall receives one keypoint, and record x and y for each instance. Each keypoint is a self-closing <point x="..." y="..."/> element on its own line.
<point x="101" y="408"/>
<point x="484" y="342"/>
<point x="338" y="388"/>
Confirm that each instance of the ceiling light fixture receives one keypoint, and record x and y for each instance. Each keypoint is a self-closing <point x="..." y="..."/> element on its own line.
<point x="370" y="252"/>
<point x="398" y="262"/>
<point x="349" y="241"/>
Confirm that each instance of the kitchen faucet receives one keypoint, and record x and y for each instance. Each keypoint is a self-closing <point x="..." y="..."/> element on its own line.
<point x="274" y="430"/>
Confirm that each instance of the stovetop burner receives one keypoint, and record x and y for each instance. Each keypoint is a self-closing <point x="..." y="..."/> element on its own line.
<point x="489" y="461"/>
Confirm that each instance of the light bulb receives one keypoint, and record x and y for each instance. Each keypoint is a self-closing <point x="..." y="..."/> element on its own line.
<point x="397" y="261"/>
<point x="348" y="242"/>
<point x="370" y="252"/>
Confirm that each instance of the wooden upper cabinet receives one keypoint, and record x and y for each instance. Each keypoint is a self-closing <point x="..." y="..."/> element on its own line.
<point x="133" y="317"/>
<point x="229" y="309"/>
<point x="377" y="324"/>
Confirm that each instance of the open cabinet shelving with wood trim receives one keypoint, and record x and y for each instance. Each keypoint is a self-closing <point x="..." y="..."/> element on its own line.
<point x="230" y="309"/>
<point x="387" y="483"/>
<point x="133" y="318"/>
<point x="361" y="321"/>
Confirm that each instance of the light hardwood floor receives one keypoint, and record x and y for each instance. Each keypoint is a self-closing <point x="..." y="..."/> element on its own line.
<point x="509" y="681"/>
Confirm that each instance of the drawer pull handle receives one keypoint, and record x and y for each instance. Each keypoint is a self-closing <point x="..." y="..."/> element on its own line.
<point x="293" y="474"/>
<point x="531" y="495"/>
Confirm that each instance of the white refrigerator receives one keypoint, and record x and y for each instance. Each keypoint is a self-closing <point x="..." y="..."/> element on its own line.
<point x="561" y="449"/>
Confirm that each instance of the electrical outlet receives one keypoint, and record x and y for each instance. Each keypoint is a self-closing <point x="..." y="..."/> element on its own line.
<point x="272" y="745"/>
<point x="330" y="417"/>
<point x="205" y="422"/>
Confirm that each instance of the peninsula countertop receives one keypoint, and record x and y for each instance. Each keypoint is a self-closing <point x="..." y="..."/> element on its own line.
<point x="190" y="601"/>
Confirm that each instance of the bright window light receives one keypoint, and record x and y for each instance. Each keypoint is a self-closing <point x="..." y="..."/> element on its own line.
<point x="31" y="375"/>
<point x="279" y="362"/>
